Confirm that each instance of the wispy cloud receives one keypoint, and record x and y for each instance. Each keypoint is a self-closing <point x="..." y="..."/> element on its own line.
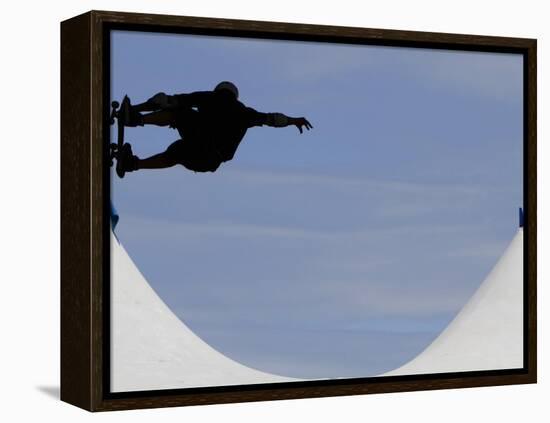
<point x="282" y="192"/>
<point x="154" y="229"/>
<point x="489" y="249"/>
<point x="344" y="182"/>
<point x="497" y="76"/>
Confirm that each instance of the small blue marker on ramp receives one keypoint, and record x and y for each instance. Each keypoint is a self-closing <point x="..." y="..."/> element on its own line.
<point x="521" y="218"/>
<point x="114" y="217"/>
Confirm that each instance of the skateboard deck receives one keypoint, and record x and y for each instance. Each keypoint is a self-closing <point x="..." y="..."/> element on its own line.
<point x="117" y="114"/>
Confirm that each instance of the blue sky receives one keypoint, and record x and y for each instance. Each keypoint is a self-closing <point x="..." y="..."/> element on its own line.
<point x="342" y="251"/>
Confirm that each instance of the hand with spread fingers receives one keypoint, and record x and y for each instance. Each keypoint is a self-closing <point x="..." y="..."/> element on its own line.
<point x="300" y="123"/>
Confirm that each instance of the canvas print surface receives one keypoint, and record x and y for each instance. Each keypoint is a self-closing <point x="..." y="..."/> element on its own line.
<point x="288" y="210"/>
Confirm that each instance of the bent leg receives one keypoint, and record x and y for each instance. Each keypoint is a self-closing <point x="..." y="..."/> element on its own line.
<point x="160" y="118"/>
<point x="158" y="102"/>
<point x="187" y="154"/>
<point x="158" y="161"/>
<point x="171" y="157"/>
<point x="147" y="106"/>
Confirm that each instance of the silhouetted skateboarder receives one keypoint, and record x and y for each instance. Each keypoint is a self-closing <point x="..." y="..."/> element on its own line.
<point x="211" y="125"/>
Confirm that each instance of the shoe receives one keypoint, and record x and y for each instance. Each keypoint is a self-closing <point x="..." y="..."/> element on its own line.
<point x="130" y="117"/>
<point x="126" y="161"/>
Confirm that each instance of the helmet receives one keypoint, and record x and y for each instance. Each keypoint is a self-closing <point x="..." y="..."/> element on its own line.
<point x="229" y="86"/>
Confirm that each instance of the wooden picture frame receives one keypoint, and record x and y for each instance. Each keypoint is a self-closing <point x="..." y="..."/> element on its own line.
<point x="85" y="210"/>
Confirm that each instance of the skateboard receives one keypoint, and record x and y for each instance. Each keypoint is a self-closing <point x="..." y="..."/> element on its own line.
<point x="117" y="114"/>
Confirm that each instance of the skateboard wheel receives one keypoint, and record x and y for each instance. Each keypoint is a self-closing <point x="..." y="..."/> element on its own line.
<point x="115" y="104"/>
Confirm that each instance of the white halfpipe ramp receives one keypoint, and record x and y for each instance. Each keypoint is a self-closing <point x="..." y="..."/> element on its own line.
<point x="487" y="334"/>
<point x="150" y="346"/>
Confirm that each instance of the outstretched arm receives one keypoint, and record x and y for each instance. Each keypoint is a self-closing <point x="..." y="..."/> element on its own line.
<point x="278" y="120"/>
<point x="163" y="101"/>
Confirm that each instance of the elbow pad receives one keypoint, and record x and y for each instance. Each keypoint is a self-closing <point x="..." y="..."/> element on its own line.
<point x="278" y="120"/>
